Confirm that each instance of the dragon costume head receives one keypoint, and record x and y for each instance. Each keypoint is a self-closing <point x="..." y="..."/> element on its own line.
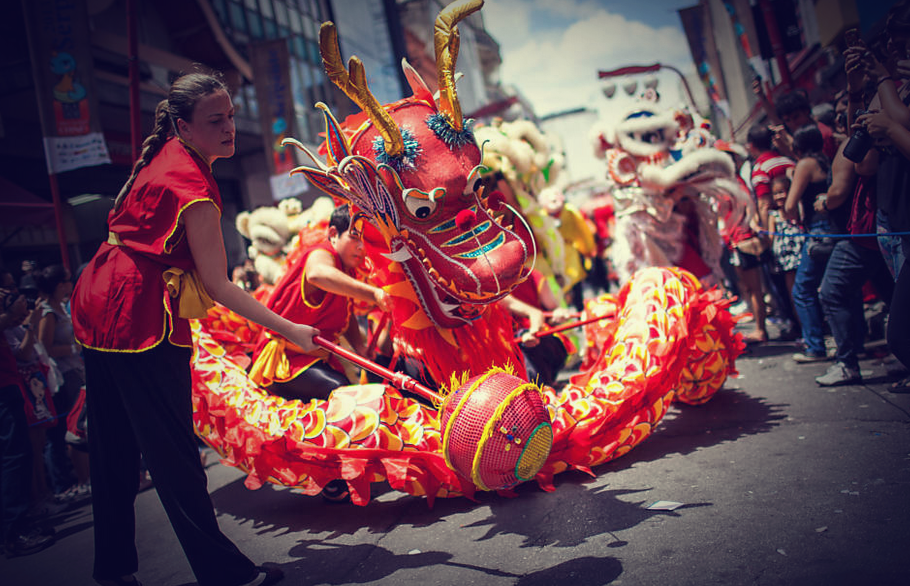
<point x="411" y="168"/>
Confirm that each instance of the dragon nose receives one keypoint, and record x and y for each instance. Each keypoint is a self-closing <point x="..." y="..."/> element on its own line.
<point x="465" y="219"/>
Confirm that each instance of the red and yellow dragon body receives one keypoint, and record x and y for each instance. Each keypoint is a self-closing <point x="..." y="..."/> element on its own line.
<point x="439" y="249"/>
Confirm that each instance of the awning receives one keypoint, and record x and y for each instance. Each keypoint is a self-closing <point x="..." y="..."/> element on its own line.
<point x="20" y="207"/>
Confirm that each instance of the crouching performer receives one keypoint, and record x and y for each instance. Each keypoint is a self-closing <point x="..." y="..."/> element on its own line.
<point x="318" y="288"/>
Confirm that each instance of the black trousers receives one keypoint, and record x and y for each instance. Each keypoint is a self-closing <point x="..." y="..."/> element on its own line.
<point x="899" y="317"/>
<point x="15" y="463"/>
<point x="141" y="403"/>
<point x="316" y="382"/>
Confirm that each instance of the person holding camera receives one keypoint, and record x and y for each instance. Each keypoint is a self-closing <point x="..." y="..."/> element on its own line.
<point x="18" y="538"/>
<point x="887" y="121"/>
<point x="852" y="263"/>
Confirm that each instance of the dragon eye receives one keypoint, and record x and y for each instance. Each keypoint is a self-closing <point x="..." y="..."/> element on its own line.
<point x="419" y="204"/>
<point x="471" y="187"/>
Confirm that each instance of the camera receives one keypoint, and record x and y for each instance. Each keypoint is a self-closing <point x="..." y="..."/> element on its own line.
<point x="31" y="297"/>
<point x="859" y="144"/>
<point x="852" y="38"/>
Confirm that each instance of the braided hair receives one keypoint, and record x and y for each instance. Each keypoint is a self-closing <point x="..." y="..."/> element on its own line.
<point x="185" y="93"/>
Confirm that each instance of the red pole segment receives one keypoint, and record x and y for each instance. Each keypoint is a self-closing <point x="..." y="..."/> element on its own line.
<point x="133" y="68"/>
<point x="777" y="44"/>
<point x="567" y="326"/>
<point x="399" y="379"/>
<point x="58" y="217"/>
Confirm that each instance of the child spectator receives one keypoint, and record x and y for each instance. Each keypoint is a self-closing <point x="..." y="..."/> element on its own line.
<point x="786" y="248"/>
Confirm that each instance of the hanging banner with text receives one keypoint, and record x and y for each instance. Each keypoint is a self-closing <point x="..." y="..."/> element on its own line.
<point x="58" y="41"/>
<point x="270" y="62"/>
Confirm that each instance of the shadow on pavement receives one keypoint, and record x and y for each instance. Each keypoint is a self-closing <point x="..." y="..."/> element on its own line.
<point x="324" y="563"/>
<point x="728" y="416"/>
<point x="596" y="513"/>
<point x="768" y="349"/>
<point x="585" y="514"/>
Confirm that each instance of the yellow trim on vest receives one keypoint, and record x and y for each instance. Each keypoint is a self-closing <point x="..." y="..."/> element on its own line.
<point x="168" y="247"/>
<point x="196" y="152"/>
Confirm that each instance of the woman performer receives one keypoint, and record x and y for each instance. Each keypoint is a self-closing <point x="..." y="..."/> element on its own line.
<point x="164" y="262"/>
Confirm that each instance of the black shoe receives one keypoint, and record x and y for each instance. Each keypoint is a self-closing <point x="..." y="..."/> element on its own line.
<point x="266" y="576"/>
<point x="336" y="491"/>
<point x="27" y="544"/>
<point x="128" y="581"/>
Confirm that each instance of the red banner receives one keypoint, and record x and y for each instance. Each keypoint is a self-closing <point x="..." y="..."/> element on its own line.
<point x="58" y="39"/>
<point x="270" y="61"/>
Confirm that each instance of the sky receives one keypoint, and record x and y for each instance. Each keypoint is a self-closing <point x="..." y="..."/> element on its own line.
<point x="552" y="49"/>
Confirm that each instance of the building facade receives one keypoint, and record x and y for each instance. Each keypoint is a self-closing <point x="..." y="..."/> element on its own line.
<point x="180" y="36"/>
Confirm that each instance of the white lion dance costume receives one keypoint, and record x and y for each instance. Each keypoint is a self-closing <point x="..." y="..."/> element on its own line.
<point x="669" y="185"/>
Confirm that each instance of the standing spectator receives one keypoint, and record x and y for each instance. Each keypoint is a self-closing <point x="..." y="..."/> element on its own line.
<point x="888" y="123"/>
<point x="22" y="339"/>
<point x="15" y="447"/>
<point x="853" y="261"/>
<point x="131" y="307"/>
<point x="810" y="180"/>
<point x="748" y="251"/>
<point x="55" y="332"/>
<point x="794" y="112"/>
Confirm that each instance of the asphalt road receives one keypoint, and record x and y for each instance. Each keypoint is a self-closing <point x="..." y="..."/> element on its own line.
<point x="780" y="482"/>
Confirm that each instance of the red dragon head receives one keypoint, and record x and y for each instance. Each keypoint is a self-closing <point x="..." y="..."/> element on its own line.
<point x="412" y="169"/>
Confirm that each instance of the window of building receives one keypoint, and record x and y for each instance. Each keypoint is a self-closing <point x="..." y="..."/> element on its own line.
<point x="220" y="10"/>
<point x="238" y="22"/>
<point x="255" y="22"/>
<point x="294" y="20"/>
<point x="271" y="30"/>
<point x="281" y="14"/>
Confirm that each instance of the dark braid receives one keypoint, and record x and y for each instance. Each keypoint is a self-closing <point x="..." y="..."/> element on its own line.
<point x="185" y="93"/>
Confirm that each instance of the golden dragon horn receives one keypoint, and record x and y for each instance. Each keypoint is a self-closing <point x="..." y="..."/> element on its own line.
<point x="445" y="39"/>
<point x="355" y="86"/>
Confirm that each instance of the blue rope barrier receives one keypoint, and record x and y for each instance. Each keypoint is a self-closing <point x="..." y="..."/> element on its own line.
<point x="807" y="235"/>
<point x="54" y="418"/>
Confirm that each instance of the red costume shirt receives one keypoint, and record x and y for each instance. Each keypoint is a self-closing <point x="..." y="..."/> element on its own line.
<point x="120" y="302"/>
<point x="288" y="299"/>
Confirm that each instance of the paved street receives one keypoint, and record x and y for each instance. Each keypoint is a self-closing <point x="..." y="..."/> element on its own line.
<point x="781" y="482"/>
